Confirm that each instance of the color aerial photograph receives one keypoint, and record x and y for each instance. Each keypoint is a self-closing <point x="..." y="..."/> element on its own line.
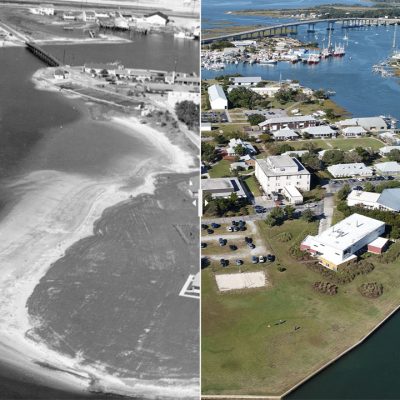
<point x="300" y="180"/>
<point x="99" y="224"/>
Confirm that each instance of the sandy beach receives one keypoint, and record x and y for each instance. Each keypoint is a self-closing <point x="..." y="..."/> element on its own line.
<point x="55" y="210"/>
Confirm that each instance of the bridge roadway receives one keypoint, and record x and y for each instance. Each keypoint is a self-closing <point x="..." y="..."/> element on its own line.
<point x="43" y="55"/>
<point x="291" y="27"/>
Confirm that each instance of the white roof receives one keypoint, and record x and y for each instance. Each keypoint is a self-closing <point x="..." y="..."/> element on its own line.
<point x="286" y="132"/>
<point x="293" y="191"/>
<point x="349" y="169"/>
<point x="319" y="130"/>
<point x="361" y="196"/>
<point x="246" y="79"/>
<point x="216" y="92"/>
<point x="390" y="166"/>
<point x="354" y="130"/>
<point x="348" y="231"/>
<point x="367" y="122"/>
<point x="378" y="242"/>
<point x="388" y="149"/>
<point x="284" y="120"/>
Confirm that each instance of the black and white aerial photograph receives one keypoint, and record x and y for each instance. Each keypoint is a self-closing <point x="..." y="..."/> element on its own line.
<point x="99" y="221"/>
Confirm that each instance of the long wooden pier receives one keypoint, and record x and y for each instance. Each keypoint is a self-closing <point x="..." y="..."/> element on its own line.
<point x="43" y="55"/>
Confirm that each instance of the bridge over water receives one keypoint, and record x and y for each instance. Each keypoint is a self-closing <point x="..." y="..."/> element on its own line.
<point x="43" y="55"/>
<point x="292" y="28"/>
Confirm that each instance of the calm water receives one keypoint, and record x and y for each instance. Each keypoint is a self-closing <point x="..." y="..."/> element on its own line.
<point x="371" y="371"/>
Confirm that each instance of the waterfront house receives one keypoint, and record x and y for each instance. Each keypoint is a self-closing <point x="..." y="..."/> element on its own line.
<point x="156" y="18"/>
<point x="275" y="172"/>
<point x="340" y="244"/>
<point x="370" y="124"/>
<point x="349" y="169"/>
<point x="245" y="80"/>
<point x="277" y="123"/>
<point x="218" y="100"/>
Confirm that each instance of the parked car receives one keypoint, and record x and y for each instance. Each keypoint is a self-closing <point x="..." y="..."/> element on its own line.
<point x="248" y="239"/>
<point x="270" y="258"/>
<point x="215" y="225"/>
<point x="229" y="229"/>
<point x="210" y="231"/>
<point x="204" y="226"/>
<point x="239" y="262"/>
<point x="233" y="247"/>
<point x="261" y="259"/>
<point x="223" y="262"/>
<point x="254" y="259"/>
<point x="203" y="245"/>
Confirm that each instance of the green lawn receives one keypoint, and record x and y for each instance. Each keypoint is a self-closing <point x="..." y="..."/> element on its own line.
<point x="245" y="353"/>
<point x="340" y="143"/>
<point x="220" y="170"/>
<point x="253" y="185"/>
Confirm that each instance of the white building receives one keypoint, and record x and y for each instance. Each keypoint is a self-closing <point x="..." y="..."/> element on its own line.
<point x="293" y="195"/>
<point x="388" y="200"/>
<point x="156" y="18"/>
<point x="244" y="43"/>
<point x="218" y="100"/>
<point x="350" y="169"/>
<point x="222" y="187"/>
<point x="276" y="172"/>
<point x="340" y="243"/>
<point x="354" y="131"/>
<point x="370" y="124"/>
<point x="266" y="91"/>
<point x="285" y="134"/>
<point x="321" y="131"/>
<point x="233" y="143"/>
<point x="384" y="151"/>
<point x="388" y="168"/>
<point x="277" y="123"/>
<point x="46" y="9"/>
<point x="245" y="80"/>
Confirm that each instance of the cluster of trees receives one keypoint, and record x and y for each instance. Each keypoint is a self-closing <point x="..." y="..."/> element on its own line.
<point x="242" y="97"/>
<point x="359" y="154"/>
<point x="255" y="119"/>
<point x="221" y="45"/>
<point x="221" y="207"/>
<point x="189" y="113"/>
<point x="209" y="153"/>
<point x="371" y="289"/>
<point x="394" y="155"/>
<point x="325" y="288"/>
<point x="279" y="215"/>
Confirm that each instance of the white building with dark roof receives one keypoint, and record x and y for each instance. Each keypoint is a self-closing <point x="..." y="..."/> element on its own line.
<point x="275" y="172"/>
<point x="350" y="169"/>
<point x="342" y="242"/>
<point x="218" y="100"/>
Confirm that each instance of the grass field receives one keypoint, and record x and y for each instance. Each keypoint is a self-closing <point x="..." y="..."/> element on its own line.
<point x="340" y="143"/>
<point x="244" y="352"/>
<point x="220" y="169"/>
<point x="253" y="185"/>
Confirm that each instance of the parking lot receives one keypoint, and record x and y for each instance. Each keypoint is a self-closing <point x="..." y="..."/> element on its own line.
<point x="214" y="117"/>
<point x="357" y="183"/>
<point x="234" y="245"/>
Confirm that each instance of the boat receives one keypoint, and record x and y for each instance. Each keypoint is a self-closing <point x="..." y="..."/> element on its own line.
<point x="183" y="35"/>
<point x="313" y="58"/>
<point x="268" y="61"/>
<point x="339" y="51"/>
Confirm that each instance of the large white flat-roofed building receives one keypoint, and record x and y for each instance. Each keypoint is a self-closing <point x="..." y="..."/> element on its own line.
<point x="342" y="242"/>
<point x="387" y="168"/>
<point x="370" y="124"/>
<point x="245" y="80"/>
<point x="388" y="200"/>
<point x="276" y="172"/>
<point x="350" y="169"/>
<point x="218" y="100"/>
<point x="384" y="151"/>
<point x="222" y="187"/>
<point x="277" y="123"/>
<point x="321" y="131"/>
<point x="285" y="134"/>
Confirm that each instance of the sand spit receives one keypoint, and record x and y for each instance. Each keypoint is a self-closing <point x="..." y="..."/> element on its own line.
<point x="55" y="211"/>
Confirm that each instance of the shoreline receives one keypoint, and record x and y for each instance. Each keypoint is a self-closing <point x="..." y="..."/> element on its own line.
<point x="67" y="194"/>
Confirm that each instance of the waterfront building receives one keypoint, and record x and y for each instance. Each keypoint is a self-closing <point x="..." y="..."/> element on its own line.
<point x="388" y="200"/>
<point x="391" y="138"/>
<point x="341" y="243"/>
<point x="266" y="91"/>
<point x="349" y="169"/>
<point x="223" y="187"/>
<point x="277" y="123"/>
<point x="320" y="131"/>
<point x="370" y="124"/>
<point x="233" y="143"/>
<point x="354" y="131"/>
<point x="388" y="168"/>
<point x="46" y="9"/>
<point x="285" y="134"/>
<point x="245" y="80"/>
<point x="244" y="43"/>
<point x="218" y="100"/>
<point x="156" y="18"/>
<point x="276" y="172"/>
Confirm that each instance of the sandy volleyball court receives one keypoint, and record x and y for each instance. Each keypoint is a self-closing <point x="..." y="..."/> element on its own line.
<point x="245" y="280"/>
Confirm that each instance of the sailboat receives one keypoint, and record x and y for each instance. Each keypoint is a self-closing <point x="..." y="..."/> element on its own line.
<point x="396" y="52"/>
<point x="327" y="51"/>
